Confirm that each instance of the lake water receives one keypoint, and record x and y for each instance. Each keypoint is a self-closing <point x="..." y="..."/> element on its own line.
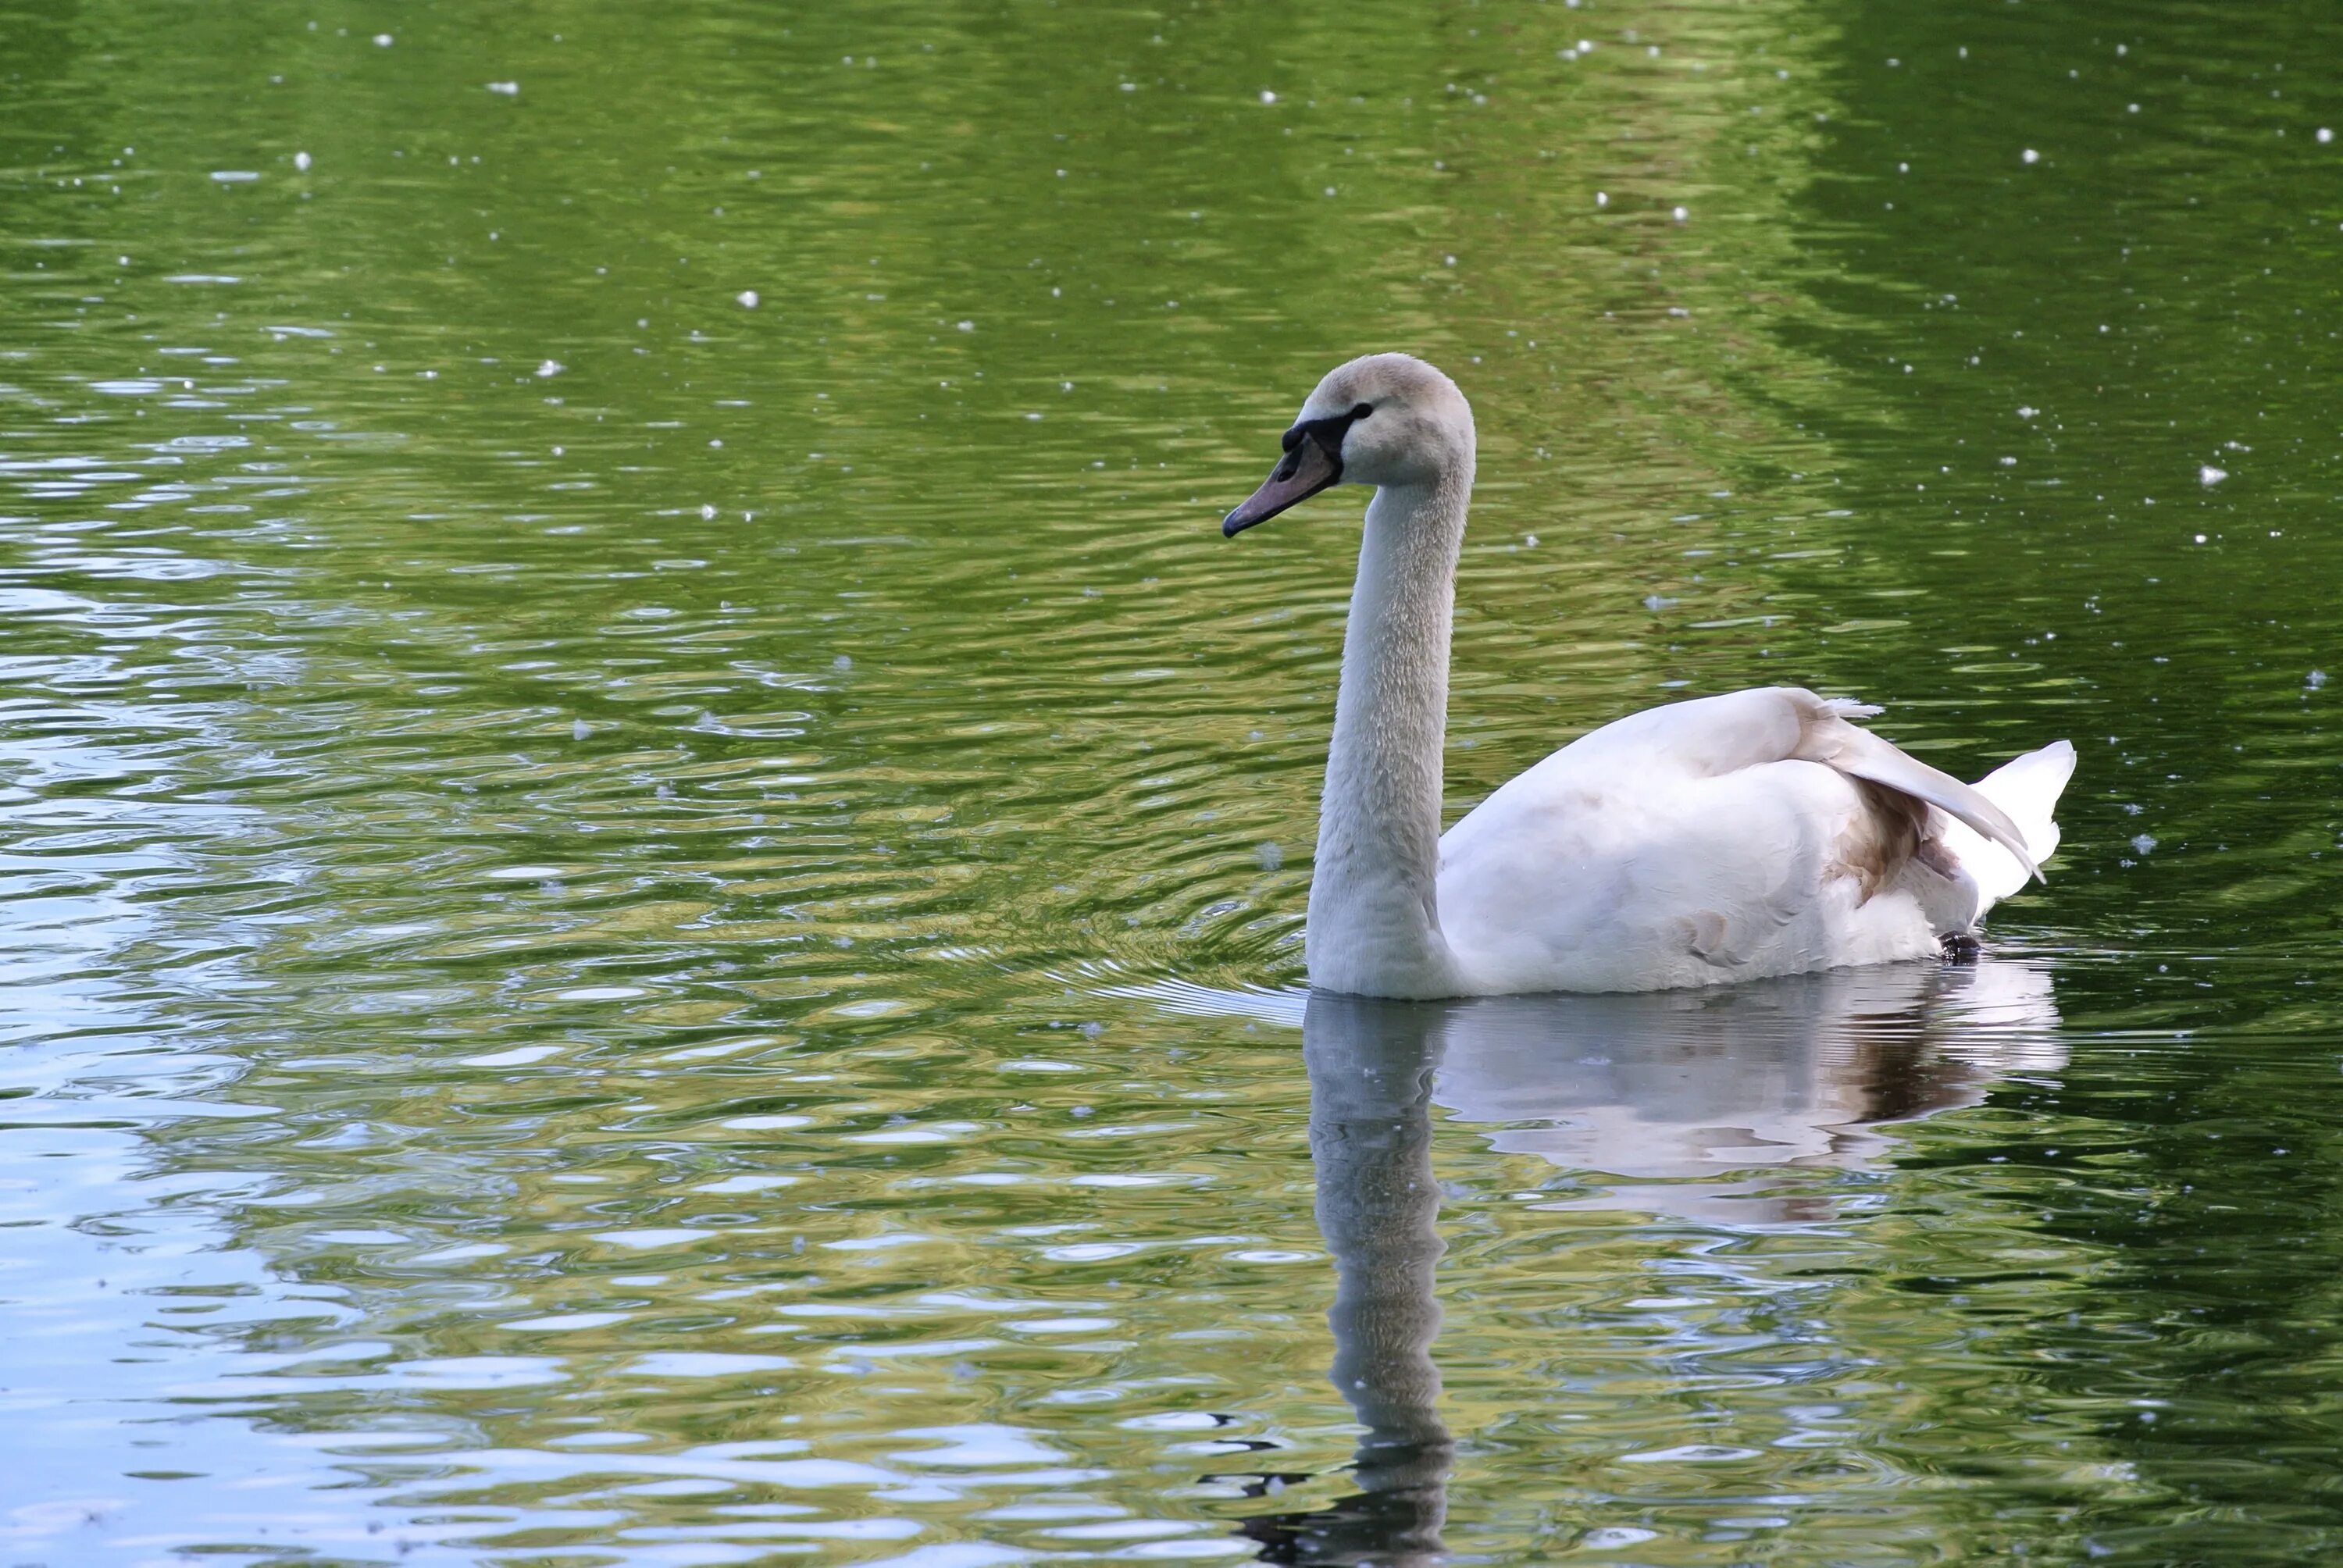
<point x="654" y="854"/>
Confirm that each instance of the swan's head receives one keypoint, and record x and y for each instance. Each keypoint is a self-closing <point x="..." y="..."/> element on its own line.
<point x="1385" y="419"/>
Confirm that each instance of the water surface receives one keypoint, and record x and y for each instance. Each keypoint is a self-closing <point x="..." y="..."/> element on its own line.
<point x="654" y="856"/>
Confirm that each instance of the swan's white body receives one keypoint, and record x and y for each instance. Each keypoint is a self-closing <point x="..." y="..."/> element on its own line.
<point x="1705" y="841"/>
<point x="1757" y="833"/>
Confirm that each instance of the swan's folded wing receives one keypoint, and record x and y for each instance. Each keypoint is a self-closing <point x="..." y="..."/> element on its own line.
<point x="1859" y="754"/>
<point x="1711" y="737"/>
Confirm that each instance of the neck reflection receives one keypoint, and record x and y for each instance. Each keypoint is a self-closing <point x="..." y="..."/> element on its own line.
<point x="1684" y="1101"/>
<point x="1372" y="1065"/>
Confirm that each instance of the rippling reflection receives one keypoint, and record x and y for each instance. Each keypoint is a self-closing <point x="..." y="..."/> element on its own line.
<point x="561" y="829"/>
<point x="1682" y="1095"/>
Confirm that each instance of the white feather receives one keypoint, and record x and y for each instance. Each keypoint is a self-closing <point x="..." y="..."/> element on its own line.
<point x="2027" y="789"/>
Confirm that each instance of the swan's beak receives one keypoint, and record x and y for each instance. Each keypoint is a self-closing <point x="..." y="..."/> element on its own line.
<point x="1307" y="468"/>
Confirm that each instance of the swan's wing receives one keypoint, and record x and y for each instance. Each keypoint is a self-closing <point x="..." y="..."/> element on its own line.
<point x="1856" y="752"/>
<point x="1712" y="735"/>
<point x="1705" y="738"/>
<point x="1746" y="729"/>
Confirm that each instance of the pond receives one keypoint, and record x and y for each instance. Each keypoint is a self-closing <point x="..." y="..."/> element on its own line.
<point x="654" y="854"/>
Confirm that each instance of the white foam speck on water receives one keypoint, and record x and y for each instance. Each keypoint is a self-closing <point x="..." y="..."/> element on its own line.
<point x="2315" y="679"/>
<point x="1680" y="214"/>
<point x="552" y="367"/>
<point x="2326" y="134"/>
<point x="505" y="89"/>
<point x="301" y="162"/>
<point x="382" y="40"/>
<point x="1602" y="199"/>
<point x="747" y="298"/>
<point x="1267" y="96"/>
<point x="2027" y="413"/>
<point x="706" y="513"/>
<point x="579" y="729"/>
<point x="1268" y="856"/>
<point x="2200" y="538"/>
<point x="2030" y="155"/>
<point x="234" y="176"/>
<point x="2211" y="475"/>
<point x="2143" y="842"/>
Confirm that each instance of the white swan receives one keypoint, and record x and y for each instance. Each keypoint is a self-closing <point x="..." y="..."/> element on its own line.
<point x="1757" y="833"/>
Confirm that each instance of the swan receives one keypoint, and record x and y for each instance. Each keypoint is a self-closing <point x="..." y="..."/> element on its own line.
<point x="1731" y="838"/>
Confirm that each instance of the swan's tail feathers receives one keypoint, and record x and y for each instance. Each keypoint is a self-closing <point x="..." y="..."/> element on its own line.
<point x="2027" y="788"/>
<point x="1859" y="754"/>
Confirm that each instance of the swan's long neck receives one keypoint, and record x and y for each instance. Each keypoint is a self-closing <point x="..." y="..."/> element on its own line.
<point x="1375" y="917"/>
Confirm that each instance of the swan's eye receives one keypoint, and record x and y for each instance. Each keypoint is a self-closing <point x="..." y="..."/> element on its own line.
<point x="1363" y="410"/>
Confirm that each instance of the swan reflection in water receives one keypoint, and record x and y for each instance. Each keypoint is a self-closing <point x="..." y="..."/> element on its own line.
<point x="1677" y="1096"/>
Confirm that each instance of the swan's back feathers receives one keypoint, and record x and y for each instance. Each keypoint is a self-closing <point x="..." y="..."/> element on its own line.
<point x="1709" y="737"/>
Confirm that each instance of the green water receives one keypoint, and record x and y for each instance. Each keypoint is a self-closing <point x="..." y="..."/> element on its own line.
<point x="640" y="929"/>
